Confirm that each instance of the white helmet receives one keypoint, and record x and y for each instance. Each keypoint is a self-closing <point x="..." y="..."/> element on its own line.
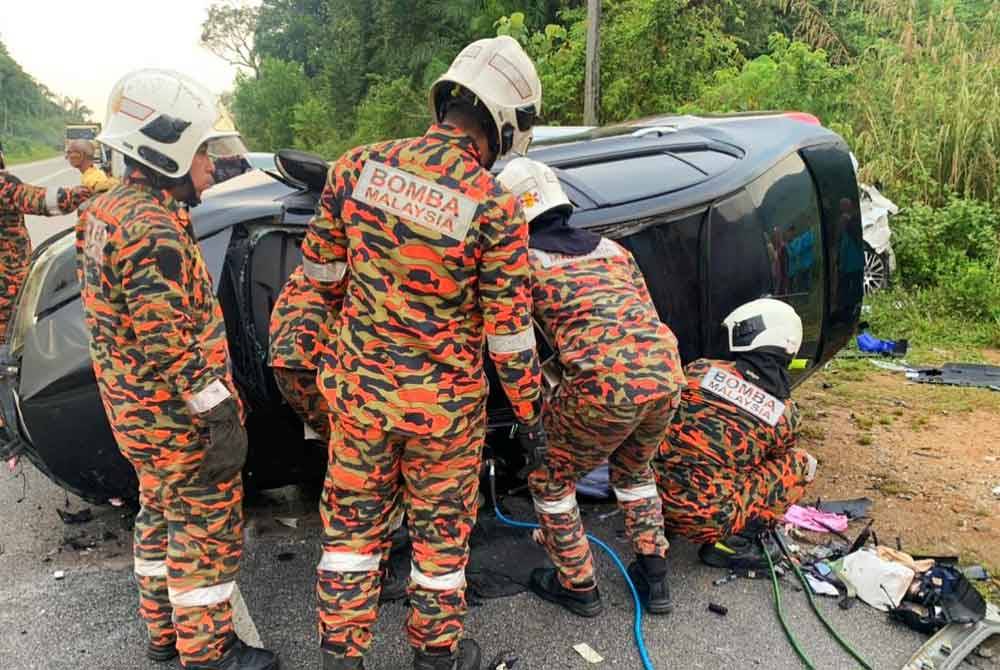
<point x="536" y="186"/>
<point x="764" y="323"/>
<point x="161" y="118"/>
<point x="503" y="79"/>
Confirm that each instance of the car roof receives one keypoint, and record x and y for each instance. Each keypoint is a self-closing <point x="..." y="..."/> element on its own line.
<point x="671" y="164"/>
<point x="662" y="167"/>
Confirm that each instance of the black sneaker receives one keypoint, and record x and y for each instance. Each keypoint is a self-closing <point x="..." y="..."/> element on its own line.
<point x="240" y="656"/>
<point x="331" y="662"/>
<point x="393" y="585"/>
<point x="161" y="653"/>
<point x="649" y="575"/>
<point x="586" y="603"/>
<point x="738" y="552"/>
<point x="466" y="657"/>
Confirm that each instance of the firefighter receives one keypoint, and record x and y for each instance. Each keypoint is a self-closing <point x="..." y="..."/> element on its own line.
<point x="729" y="466"/>
<point x="620" y="384"/>
<point x="300" y="328"/>
<point x="158" y="345"/>
<point x="80" y="155"/>
<point x="16" y="200"/>
<point x="428" y="254"/>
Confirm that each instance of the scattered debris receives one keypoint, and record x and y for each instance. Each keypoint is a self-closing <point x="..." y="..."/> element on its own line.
<point x="70" y="518"/>
<point x="959" y="374"/>
<point x="286" y="556"/>
<point x="821" y="587"/>
<point x="858" y="508"/>
<point x="879" y="583"/>
<point x="996" y="491"/>
<point x="868" y="343"/>
<point x="505" y="660"/>
<point x="721" y="610"/>
<point x="59" y="574"/>
<point x="588" y="653"/>
<point x="724" y="580"/>
<point x="116" y="502"/>
<point x="288" y="522"/>
<point x="815" y="520"/>
<point x="953" y="643"/>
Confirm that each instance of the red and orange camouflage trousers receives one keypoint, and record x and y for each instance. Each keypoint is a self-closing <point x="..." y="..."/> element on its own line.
<point x="299" y="388"/>
<point x="12" y="274"/>
<point x="581" y="436"/>
<point x="372" y="472"/>
<point x="763" y="492"/>
<point x="188" y="544"/>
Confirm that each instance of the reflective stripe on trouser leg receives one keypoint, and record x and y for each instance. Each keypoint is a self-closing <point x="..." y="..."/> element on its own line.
<point x="149" y="548"/>
<point x="359" y="496"/>
<point x="203" y="558"/>
<point x="565" y="538"/>
<point x="633" y="480"/>
<point x="441" y="485"/>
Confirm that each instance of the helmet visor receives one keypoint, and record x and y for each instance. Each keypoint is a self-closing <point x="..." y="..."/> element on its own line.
<point x="225" y="147"/>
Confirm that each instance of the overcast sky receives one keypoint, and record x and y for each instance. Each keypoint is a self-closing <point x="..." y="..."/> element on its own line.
<point x="80" y="48"/>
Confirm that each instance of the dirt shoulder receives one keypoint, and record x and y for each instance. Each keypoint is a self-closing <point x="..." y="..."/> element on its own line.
<point x="929" y="456"/>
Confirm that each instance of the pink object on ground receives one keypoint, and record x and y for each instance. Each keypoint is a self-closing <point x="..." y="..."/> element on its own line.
<point x="811" y="518"/>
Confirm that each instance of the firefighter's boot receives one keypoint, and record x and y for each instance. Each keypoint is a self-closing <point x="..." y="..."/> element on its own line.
<point x="466" y="657"/>
<point x="240" y="656"/>
<point x="585" y="602"/>
<point x="649" y="576"/>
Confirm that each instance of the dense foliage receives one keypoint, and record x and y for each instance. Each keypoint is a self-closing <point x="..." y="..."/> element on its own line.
<point x="32" y="118"/>
<point x="913" y="85"/>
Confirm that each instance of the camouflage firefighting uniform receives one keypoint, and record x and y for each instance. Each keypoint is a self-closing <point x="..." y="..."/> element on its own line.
<point x="16" y="200"/>
<point x="721" y="466"/>
<point x="435" y="255"/>
<point x="300" y="323"/>
<point x="160" y="355"/>
<point x="620" y="385"/>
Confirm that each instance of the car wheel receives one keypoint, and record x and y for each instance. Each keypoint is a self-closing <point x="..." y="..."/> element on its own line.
<point x="876" y="270"/>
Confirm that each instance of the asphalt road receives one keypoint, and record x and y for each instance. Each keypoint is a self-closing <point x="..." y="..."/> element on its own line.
<point x="87" y="619"/>
<point x="51" y="173"/>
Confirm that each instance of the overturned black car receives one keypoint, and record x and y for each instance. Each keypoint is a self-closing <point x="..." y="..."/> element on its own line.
<point x="717" y="211"/>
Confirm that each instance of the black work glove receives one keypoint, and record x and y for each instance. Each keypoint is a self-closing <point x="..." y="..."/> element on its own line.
<point x="534" y="445"/>
<point x="226" y="451"/>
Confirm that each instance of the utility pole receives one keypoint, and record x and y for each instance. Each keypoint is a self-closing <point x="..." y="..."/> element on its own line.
<point x="592" y="79"/>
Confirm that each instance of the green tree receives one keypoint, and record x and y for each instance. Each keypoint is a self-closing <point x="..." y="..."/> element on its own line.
<point x="265" y="106"/>
<point x="228" y="32"/>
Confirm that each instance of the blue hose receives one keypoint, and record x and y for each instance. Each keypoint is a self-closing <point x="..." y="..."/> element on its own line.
<point x="640" y="642"/>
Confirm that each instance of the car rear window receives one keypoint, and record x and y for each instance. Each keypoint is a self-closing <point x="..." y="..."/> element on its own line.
<point x="623" y="180"/>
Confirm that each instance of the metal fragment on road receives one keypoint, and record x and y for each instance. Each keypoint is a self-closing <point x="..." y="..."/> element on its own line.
<point x="59" y="574"/>
<point x="588" y="653"/>
<point x="953" y="643"/>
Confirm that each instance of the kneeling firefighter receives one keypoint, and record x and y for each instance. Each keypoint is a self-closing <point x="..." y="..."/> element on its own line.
<point x="159" y="350"/>
<point x="621" y="380"/>
<point x="729" y="466"/>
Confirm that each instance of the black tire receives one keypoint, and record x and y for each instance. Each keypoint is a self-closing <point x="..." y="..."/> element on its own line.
<point x="876" y="273"/>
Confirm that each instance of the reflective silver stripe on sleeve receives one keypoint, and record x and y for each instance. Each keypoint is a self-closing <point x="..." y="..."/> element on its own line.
<point x="206" y="596"/>
<point x="561" y="506"/>
<point x="638" y="493"/>
<point x="147" y="568"/>
<point x="342" y="561"/>
<point x="52" y="200"/>
<point x="208" y="397"/>
<point x="325" y="272"/>
<point x="448" y="582"/>
<point x="511" y="344"/>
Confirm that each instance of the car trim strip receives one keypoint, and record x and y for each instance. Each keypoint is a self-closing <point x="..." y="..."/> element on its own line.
<point x="208" y="397"/>
<point x="324" y="272"/>
<point x="511" y="344"/>
<point x="345" y="561"/>
<point x="562" y="506"/>
<point x="204" y="596"/>
<point x="447" y="582"/>
<point x="635" y="494"/>
<point x="145" y="567"/>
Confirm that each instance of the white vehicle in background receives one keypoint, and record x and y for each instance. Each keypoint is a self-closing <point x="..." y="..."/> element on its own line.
<point x="880" y="261"/>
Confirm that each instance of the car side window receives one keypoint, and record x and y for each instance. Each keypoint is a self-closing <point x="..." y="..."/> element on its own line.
<point x="788" y="209"/>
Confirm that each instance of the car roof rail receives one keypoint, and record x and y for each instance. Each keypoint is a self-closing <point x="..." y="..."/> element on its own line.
<point x="659" y="131"/>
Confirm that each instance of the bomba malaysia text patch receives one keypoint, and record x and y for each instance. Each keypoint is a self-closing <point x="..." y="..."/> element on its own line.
<point x="748" y="397"/>
<point x="417" y="200"/>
